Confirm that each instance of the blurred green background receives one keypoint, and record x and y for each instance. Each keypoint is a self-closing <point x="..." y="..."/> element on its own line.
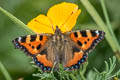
<point x="18" y="64"/>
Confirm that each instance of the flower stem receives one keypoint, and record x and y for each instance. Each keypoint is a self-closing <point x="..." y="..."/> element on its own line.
<point x="4" y="71"/>
<point x="109" y="25"/>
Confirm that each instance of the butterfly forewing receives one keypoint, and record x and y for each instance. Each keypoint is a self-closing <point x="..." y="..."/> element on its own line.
<point x="31" y="44"/>
<point x="87" y="39"/>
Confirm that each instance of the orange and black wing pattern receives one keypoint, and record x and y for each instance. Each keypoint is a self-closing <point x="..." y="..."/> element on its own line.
<point x="33" y="45"/>
<point x="79" y="58"/>
<point x="30" y="44"/>
<point x="87" y="39"/>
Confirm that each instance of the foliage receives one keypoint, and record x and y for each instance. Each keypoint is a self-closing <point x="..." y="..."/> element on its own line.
<point x="107" y="74"/>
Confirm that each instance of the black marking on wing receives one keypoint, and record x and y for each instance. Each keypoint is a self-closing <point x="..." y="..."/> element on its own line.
<point x="39" y="46"/>
<point x="18" y="46"/>
<point x="77" y="66"/>
<point x="41" y="37"/>
<point x="75" y="49"/>
<point x="23" y="39"/>
<point x="75" y="34"/>
<point x="83" y="33"/>
<point x="43" y="68"/>
<point x="79" y="43"/>
<point x="44" y="51"/>
<point x="93" y="33"/>
<point x="33" y="38"/>
<point x="96" y="41"/>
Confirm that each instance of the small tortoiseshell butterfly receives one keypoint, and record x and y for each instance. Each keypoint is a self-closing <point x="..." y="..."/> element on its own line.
<point x="69" y="48"/>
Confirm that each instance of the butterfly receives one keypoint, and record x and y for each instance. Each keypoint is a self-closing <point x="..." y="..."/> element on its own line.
<point x="69" y="48"/>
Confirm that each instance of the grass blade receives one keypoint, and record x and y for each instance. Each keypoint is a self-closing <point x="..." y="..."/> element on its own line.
<point x="5" y="73"/>
<point x="109" y="24"/>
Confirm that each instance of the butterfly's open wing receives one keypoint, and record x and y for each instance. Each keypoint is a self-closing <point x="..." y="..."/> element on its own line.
<point x="87" y="39"/>
<point x="35" y="46"/>
<point x="30" y="44"/>
<point x="80" y="43"/>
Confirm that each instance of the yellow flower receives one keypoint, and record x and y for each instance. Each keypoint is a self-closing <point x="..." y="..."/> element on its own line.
<point x="63" y="15"/>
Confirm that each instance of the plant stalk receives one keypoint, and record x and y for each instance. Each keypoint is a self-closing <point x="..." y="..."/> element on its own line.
<point x="5" y="73"/>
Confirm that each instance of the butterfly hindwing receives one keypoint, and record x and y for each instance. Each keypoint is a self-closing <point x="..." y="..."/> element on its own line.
<point x="47" y="57"/>
<point x="72" y="55"/>
<point x="42" y="62"/>
<point x="87" y="39"/>
<point x="79" y="57"/>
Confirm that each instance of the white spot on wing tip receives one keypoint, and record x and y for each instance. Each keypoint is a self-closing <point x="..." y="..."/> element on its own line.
<point x="19" y="39"/>
<point x="97" y="32"/>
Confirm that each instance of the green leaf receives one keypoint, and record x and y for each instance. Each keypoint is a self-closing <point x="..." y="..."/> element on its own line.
<point x="107" y="73"/>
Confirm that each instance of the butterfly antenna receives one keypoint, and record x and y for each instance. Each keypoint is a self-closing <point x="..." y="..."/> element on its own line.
<point x="53" y="29"/>
<point x="52" y="25"/>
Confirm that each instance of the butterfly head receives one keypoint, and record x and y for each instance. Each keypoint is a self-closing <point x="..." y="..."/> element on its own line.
<point x="58" y="31"/>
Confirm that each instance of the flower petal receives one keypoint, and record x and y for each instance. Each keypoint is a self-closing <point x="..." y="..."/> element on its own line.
<point x="70" y="23"/>
<point x="41" y="24"/>
<point x="64" y="15"/>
